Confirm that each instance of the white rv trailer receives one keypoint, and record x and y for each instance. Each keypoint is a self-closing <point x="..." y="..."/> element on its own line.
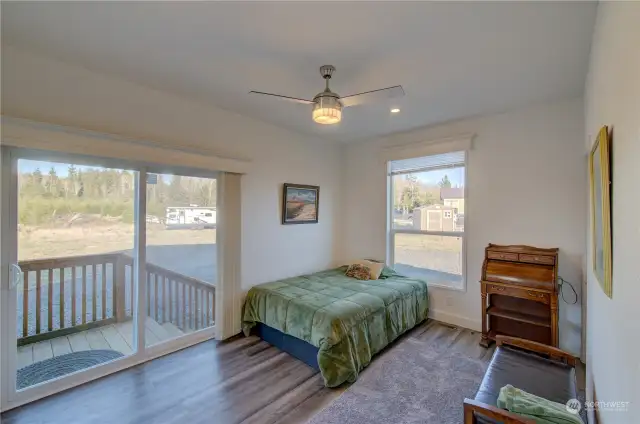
<point x="191" y="217"/>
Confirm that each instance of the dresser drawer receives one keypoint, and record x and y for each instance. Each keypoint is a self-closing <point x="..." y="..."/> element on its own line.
<point x="516" y="292"/>
<point x="537" y="259"/>
<point x="503" y="256"/>
<point x="528" y="275"/>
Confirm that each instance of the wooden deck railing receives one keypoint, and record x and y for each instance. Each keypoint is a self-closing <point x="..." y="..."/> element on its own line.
<point x="65" y="295"/>
<point x="184" y="301"/>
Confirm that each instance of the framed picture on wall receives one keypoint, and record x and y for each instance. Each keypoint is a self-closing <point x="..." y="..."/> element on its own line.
<point x="300" y="204"/>
<point x="600" y="184"/>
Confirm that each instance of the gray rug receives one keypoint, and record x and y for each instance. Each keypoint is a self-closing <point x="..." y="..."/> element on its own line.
<point x="412" y="383"/>
<point x="62" y="365"/>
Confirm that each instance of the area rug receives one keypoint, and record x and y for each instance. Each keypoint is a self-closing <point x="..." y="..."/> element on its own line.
<point x="62" y="365"/>
<point x="413" y="382"/>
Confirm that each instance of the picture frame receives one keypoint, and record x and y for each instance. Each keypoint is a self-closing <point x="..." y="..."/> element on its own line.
<point x="300" y="204"/>
<point x="600" y="187"/>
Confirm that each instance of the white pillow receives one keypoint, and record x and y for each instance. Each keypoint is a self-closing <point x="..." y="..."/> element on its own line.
<point x="374" y="267"/>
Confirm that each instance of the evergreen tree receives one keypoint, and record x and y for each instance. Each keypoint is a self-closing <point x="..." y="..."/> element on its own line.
<point x="52" y="183"/>
<point x="444" y="182"/>
<point x="104" y="192"/>
<point x="37" y="176"/>
<point x="72" y="172"/>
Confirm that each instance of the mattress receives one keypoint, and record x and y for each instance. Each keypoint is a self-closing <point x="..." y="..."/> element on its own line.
<point x="348" y="320"/>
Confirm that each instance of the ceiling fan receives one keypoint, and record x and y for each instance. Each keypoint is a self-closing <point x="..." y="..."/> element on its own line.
<point x="327" y="105"/>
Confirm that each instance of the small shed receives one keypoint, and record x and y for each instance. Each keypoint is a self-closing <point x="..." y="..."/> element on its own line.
<point x="434" y="218"/>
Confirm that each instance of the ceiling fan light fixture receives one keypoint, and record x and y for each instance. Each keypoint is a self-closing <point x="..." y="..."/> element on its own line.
<point x="327" y="109"/>
<point x="327" y="105"/>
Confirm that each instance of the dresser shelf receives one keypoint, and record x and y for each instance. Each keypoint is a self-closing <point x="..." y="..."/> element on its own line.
<point x="519" y="316"/>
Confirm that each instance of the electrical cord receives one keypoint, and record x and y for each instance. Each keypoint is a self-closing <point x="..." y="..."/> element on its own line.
<point x="561" y="285"/>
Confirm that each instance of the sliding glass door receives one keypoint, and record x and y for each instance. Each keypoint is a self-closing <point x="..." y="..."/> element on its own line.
<point x="105" y="265"/>
<point x="73" y="278"/>
<point x="181" y="267"/>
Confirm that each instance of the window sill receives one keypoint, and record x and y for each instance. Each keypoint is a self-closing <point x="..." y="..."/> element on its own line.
<point x="462" y="289"/>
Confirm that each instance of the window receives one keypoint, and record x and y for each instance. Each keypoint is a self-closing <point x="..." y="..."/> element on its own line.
<point x="426" y="218"/>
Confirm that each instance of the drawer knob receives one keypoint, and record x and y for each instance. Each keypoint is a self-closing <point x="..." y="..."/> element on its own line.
<point x="498" y="288"/>
<point x="534" y="294"/>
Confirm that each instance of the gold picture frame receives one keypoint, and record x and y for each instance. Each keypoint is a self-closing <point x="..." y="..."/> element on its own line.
<point x="600" y="185"/>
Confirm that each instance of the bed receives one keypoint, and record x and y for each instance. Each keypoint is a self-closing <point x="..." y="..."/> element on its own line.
<point x="332" y="322"/>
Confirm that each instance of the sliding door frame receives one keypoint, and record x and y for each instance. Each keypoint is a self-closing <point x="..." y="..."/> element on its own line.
<point x="12" y="398"/>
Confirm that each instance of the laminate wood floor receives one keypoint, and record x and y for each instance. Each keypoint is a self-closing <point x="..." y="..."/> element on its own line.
<point x="244" y="380"/>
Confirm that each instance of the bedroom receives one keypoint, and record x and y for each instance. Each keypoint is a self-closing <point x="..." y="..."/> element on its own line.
<point x="525" y="105"/>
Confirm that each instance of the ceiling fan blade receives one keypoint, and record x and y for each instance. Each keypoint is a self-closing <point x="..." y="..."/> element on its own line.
<point x="372" y="96"/>
<point x="291" y="99"/>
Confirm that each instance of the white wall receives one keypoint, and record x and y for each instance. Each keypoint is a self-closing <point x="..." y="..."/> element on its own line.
<point x="612" y="97"/>
<point x="526" y="185"/>
<point x="46" y="90"/>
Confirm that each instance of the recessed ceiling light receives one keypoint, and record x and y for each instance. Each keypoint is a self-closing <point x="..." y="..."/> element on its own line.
<point x="395" y="110"/>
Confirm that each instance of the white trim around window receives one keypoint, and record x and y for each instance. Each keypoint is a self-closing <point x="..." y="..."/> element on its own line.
<point x="392" y="233"/>
<point x="461" y="142"/>
<point x="34" y="135"/>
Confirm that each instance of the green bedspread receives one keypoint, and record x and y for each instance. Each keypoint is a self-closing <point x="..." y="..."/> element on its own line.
<point x="348" y="320"/>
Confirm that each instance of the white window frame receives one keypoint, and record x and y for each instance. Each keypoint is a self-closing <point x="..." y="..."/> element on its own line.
<point x="69" y="143"/>
<point x="391" y="232"/>
<point x="11" y="397"/>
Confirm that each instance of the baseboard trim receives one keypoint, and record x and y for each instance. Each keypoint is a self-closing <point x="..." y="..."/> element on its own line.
<point x="455" y="319"/>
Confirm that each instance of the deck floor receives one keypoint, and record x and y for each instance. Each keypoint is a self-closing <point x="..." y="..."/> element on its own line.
<point x="117" y="337"/>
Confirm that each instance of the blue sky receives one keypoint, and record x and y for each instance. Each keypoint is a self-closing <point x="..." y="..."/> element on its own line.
<point x="62" y="169"/>
<point x="28" y="166"/>
<point x="456" y="176"/>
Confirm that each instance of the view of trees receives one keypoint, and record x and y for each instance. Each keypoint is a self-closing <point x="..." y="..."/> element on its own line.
<point x="48" y="198"/>
<point x="410" y="192"/>
<point x="444" y="182"/>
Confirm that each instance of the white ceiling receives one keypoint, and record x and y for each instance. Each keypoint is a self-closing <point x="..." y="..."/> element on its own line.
<point x="453" y="59"/>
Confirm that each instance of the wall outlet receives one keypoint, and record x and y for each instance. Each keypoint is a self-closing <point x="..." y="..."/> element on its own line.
<point x="449" y="301"/>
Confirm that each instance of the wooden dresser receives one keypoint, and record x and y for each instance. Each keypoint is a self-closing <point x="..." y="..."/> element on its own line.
<point x="520" y="293"/>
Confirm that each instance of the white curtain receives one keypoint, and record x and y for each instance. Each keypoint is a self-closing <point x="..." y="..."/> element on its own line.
<point x="229" y="234"/>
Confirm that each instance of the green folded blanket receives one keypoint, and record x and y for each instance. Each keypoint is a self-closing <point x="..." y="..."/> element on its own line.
<point x="541" y="410"/>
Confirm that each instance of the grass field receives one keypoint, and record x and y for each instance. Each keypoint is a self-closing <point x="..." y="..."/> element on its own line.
<point x="192" y="252"/>
<point x="428" y="242"/>
<point x="187" y="251"/>
<point x="437" y="259"/>
<point x="50" y="242"/>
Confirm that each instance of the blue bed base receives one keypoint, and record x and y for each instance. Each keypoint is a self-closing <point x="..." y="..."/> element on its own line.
<point x="295" y="347"/>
